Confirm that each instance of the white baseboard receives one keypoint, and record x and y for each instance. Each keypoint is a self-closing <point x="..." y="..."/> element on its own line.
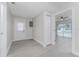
<point x="9" y="47"/>
<point x="48" y="43"/>
<point x="53" y="43"/>
<point x="44" y="45"/>
<point x="22" y="39"/>
<point x="75" y="53"/>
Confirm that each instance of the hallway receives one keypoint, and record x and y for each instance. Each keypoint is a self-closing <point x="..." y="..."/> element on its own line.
<point x="30" y="48"/>
<point x="39" y="29"/>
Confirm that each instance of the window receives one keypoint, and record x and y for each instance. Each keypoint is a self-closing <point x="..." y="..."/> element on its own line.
<point x="64" y="29"/>
<point x="20" y="26"/>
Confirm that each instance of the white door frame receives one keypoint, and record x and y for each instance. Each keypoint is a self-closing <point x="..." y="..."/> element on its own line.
<point x="3" y="34"/>
<point x="73" y="26"/>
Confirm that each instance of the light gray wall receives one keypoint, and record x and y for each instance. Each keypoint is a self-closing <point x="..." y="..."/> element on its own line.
<point x="47" y="28"/>
<point x="27" y="34"/>
<point x="41" y="29"/>
<point x="38" y="26"/>
<point x="76" y="32"/>
<point x="9" y="29"/>
<point x="3" y="29"/>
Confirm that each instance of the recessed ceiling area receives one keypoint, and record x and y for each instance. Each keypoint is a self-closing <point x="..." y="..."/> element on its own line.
<point x="32" y="9"/>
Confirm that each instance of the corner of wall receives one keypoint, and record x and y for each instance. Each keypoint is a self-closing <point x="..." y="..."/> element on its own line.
<point x="75" y="53"/>
<point x="44" y="45"/>
<point x="9" y="47"/>
<point x="53" y="43"/>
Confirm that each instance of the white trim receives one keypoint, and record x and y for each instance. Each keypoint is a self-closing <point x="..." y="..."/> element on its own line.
<point x="53" y="43"/>
<point x="73" y="30"/>
<point x="22" y="39"/>
<point x="44" y="45"/>
<point x="3" y="49"/>
<point x="48" y="43"/>
<point x="75" y="53"/>
<point x="9" y="47"/>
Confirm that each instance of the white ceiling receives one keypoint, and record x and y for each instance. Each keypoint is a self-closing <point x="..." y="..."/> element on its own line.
<point x="67" y="15"/>
<point x="32" y="9"/>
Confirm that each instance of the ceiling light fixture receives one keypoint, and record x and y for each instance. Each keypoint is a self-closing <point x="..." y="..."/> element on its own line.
<point x="13" y="2"/>
<point x="62" y="18"/>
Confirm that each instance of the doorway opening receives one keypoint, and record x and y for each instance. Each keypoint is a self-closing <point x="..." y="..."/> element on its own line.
<point x="64" y="31"/>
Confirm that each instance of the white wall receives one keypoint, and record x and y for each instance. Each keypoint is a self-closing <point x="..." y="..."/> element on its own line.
<point x="41" y="28"/>
<point x="76" y="31"/>
<point x="3" y="30"/>
<point x="38" y="27"/>
<point x="47" y="29"/>
<point x="0" y="29"/>
<point x="27" y="34"/>
<point x="9" y="29"/>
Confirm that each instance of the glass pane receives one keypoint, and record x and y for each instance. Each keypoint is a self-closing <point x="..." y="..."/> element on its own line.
<point x="60" y="29"/>
<point x="20" y="26"/>
<point x="67" y="30"/>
